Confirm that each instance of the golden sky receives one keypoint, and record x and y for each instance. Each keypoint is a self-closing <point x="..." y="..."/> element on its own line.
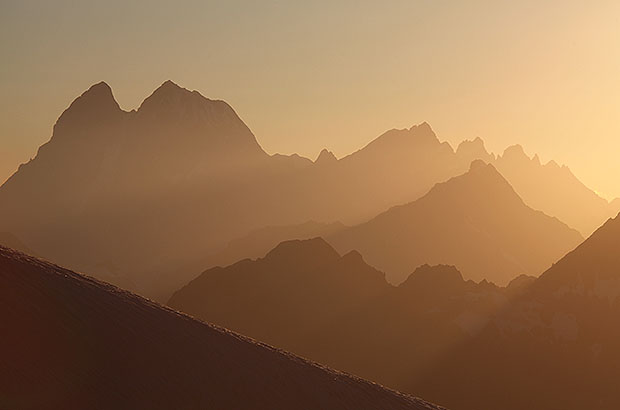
<point x="307" y="75"/>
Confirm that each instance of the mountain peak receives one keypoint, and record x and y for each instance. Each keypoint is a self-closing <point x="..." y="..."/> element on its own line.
<point x="515" y="151"/>
<point x="439" y="277"/>
<point x="100" y="87"/>
<point x="94" y="105"/>
<point x="304" y="252"/>
<point x="98" y="96"/>
<point x="470" y="150"/>
<point x="476" y="142"/>
<point x="423" y="128"/>
<point x="479" y="164"/>
<point x="475" y="187"/>
<point x="169" y="87"/>
<point x="326" y="157"/>
<point x="489" y="176"/>
<point x="170" y="97"/>
<point x="170" y="84"/>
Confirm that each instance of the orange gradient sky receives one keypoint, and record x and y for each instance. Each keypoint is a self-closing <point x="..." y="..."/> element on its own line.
<point x="336" y="74"/>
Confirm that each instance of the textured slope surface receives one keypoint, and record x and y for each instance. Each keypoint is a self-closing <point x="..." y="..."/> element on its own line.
<point x="70" y="342"/>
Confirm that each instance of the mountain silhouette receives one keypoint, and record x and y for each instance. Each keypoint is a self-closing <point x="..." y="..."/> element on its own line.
<point x="297" y="285"/>
<point x="475" y="221"/>
<point x="554" y="190"/>
<point x="141" y="198"/>
<point x="69" y="341"/>
<point x="120" y="187"/>
<point x="458" y="343"/>
<point x="132" y="196"/>
<point x="260" y="241"/>
<point x="304" y="297"/>
<point x="564" y="325"/>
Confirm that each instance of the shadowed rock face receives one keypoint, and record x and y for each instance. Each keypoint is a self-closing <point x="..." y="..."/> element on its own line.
<point x="71" y="342"/>
<point x="458" y="343"/>
<point x="304" y="297"/>
<point x="475" y="221"/>
<point x="290" y="292"/>
<point x="564" y="325"/>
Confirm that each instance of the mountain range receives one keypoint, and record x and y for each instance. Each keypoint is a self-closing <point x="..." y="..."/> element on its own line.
<point x="475" y="221"/>
<point x="140" y="198"/>
<point x="306" y="298"/>
<point x="459" y="343"/>
<point x="72" y="342"/>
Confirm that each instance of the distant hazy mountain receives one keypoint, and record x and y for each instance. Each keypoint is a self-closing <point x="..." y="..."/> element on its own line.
<point x="130" y="196"/>
<point x="458" y="343"/>
<point x="305" y="297"/>
<point x="296" y="287"/>
<point x="113" y="187"/>
<point x="554" y="190"/>
<point x="548" y="187"/>
<point x="260" y="241"/>
<point x="475" y="221"/>
<point x="73" y="343"/>
<point x="135" y="197"/>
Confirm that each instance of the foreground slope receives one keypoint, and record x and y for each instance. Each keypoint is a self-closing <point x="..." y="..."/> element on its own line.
<point x="71" y="342"/>
<point x="475" y="221"/>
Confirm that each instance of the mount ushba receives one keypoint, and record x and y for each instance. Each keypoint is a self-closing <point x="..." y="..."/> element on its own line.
<point x="132" y="196"/>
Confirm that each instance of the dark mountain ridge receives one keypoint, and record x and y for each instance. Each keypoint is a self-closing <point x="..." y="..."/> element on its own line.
<point x="459" y="343"/>
<point x="304" y="297"/>
<point x="72" y="342"/>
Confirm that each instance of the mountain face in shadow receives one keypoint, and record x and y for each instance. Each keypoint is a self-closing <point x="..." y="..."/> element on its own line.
<point x="304" y="297"/>
<point x="458" y="343"/>
<point x="133" y="197"/>
<point x="71" y="342"/>
<point x="475" y="221"/>
<point x="297" y="285"/>
<point x="564" y="325"/>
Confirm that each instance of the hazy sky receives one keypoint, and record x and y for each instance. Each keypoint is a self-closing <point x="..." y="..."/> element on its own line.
<point x="311" y="74"/>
